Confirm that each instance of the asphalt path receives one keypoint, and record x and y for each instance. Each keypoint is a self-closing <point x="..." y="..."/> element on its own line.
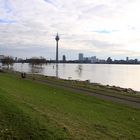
<point x="125" y="100"/>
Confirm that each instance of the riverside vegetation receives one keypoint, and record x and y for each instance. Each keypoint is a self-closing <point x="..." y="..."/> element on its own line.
<point x="34" y="110"/>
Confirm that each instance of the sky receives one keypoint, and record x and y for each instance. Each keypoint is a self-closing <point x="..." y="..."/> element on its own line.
<point x="99" y="28"/>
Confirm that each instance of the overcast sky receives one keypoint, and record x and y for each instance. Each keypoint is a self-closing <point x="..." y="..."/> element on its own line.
<point x="93" y="27"/>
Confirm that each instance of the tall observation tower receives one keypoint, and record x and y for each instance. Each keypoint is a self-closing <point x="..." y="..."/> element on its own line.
<point x="57" y="39"/>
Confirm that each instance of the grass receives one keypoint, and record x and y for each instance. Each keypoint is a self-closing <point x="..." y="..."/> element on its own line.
<point x="93" y="87"/>
<point x="30" y="110"/>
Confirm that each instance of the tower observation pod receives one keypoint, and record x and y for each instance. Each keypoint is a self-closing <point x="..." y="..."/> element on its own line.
<point x="57" y="40"/>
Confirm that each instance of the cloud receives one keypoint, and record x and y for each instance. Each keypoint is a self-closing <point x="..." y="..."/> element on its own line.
<point x="86" y="26"/>
<point x="50" y="2"/>
<point x="6" y="21"/>
<point x="105" y="31"/>
<point x="7" y="6"/>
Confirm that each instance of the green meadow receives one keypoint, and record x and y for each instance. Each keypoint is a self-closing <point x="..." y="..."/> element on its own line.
<point x="30" y="110"/>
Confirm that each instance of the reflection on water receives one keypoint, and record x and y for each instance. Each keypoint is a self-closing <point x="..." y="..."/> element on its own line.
<point x="57" y="70"/>
<point x="7" y="67"/>
<point x="35" y="69"/>
<point x="120" y="75"/>
<point x="79" y="70"/>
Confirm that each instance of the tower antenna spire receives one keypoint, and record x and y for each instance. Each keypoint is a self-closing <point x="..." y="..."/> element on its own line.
<point x="57" y="38"/>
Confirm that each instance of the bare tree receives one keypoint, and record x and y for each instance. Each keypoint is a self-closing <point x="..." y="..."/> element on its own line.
<point x="36" y="64"/>
<point x="8" y="60"/>
<point x="37" y="61"/>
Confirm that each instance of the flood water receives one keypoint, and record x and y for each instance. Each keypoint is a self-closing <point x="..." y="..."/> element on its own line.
<point x="127" y="76"/>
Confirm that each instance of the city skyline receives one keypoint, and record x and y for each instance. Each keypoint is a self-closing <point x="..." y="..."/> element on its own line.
<point x="95" y="27"/>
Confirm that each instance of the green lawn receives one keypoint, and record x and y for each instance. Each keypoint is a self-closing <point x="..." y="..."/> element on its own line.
<point x="29" y="110"/>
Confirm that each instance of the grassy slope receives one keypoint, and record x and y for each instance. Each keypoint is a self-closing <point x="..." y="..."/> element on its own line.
<point x="30" y="110"/>
<point x="94" y="87"/>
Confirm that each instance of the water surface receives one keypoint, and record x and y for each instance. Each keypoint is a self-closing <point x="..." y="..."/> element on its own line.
<point x="127" y="76"/>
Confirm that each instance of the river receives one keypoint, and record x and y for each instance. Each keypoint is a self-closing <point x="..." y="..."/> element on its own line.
<point x="126" y="76"/>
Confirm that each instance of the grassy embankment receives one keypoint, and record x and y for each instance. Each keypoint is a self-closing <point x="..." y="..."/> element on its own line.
<point x="30" y="110"/>
<point x="91" y="87"/>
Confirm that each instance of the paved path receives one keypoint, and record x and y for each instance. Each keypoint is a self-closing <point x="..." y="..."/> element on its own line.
<point x="126" y="100"/>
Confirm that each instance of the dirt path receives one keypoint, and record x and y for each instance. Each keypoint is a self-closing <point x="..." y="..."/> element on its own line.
<point x="126" y="100"/>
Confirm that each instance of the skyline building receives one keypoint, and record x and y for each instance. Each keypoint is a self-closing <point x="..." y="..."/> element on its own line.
<point x="81" y="56"/>
<point x="127" y="59"/>
<point x="93" y="59"/>
<point x="64" y="58"/>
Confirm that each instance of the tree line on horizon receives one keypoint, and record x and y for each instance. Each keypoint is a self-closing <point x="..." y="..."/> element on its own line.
<point x="34" y="61"/>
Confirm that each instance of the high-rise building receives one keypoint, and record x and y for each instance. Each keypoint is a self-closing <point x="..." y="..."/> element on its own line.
<point x="81" y="57"/>
<point x="64" y="58"/>
<point x="127" y="59"/>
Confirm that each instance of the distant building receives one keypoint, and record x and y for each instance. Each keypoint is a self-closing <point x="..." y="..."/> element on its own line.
<point x="64" y="58"/>
<point x="1" y="57"/>
<point x="102" y="61"/>
<point x="127" y="59"/>
<point x="81" y="57"/>
<point x="109" y="60"/>
<point x="86" y="59"/>
<point x="93" y="59"/>
<point x="19" y="59"/>
<point x="136" y="61"/>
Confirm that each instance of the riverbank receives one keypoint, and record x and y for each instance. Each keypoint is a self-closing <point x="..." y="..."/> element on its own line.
<point x="105" y="92"/>
<point x="33" y="109"/>
<point x="125" y="76"/>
